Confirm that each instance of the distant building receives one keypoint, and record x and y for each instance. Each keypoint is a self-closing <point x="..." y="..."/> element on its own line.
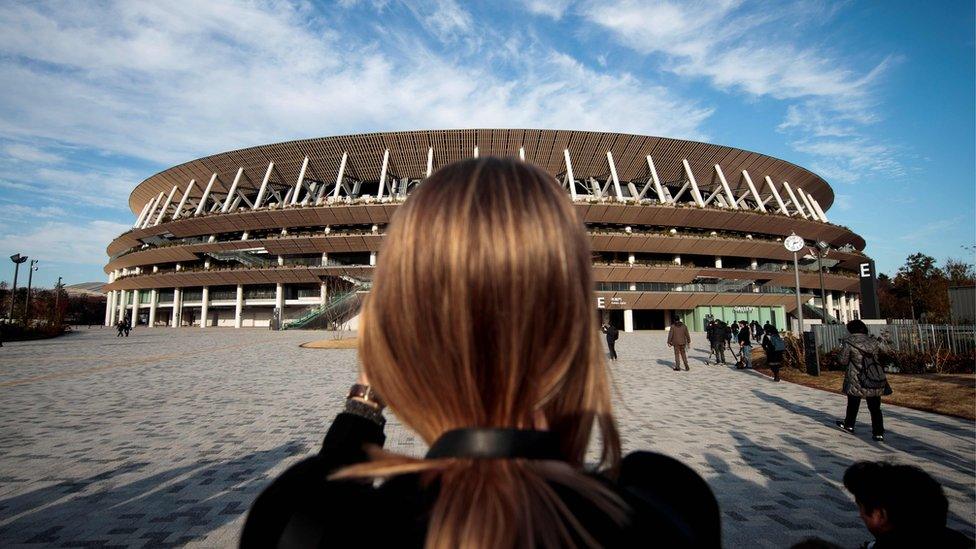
<point x="678" y="228"/>
<point x="962" y="304"/>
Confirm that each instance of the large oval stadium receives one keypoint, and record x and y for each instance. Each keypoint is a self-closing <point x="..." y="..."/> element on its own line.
<point x="287" y="235"/>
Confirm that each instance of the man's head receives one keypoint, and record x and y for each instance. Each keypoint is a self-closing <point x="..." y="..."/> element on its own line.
<point x="900" y="498"/>
<point x="742" y="323"/>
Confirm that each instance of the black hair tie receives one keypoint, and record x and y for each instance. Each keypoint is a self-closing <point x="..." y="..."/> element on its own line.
<point x="496" y="444"/>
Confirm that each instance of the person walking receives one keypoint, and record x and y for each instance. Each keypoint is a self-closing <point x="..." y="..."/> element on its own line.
<point x="716" y="340"/>
<point x="757" y="330"/>
<point x="120" y="327"/>
<point x="680" y="339"/>
<point x="745" y="344"/>
<point x="612" y="334"/>
<point x="865" y="378"/>
<point x="127" y="326"/>
<point x="774" y="346"/>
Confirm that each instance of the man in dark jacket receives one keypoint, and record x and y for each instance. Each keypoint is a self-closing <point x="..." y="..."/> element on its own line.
<point x="612" y="334"/>
<point x="680" y="339"/>
<point x="716" y="339"/>
<point x="745" y="344"/>
<point x="902" y="506"/>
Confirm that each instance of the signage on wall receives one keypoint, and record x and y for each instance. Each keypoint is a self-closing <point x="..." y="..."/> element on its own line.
<point x="745" y="309"/>
<point x="601" y="302"/>
<point x="869" y="290"/>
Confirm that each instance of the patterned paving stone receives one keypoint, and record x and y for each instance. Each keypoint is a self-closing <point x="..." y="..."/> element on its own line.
<point x="165" y="438"/>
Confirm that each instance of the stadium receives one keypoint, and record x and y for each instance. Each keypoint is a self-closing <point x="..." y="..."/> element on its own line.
<point x="286" y="235"/>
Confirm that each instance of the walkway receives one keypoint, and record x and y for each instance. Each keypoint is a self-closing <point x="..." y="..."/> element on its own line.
<point x="167" y="436"/>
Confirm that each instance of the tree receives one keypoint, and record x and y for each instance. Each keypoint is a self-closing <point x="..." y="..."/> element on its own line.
<point x="959" y="273"/>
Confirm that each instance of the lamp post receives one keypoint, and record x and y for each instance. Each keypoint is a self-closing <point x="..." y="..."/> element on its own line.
<point x="794" y="243"/>
<point x="30" y="277"/>
<point x="57" y="303"/>
<point x="822" y="248"/>
<point x="17" y="259"/>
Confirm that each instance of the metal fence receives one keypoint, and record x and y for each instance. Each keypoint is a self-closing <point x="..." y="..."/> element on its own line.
<point x="904" y="337"/>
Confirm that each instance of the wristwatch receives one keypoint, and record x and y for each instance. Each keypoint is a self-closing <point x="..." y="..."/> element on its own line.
<point x="366" y="393"/>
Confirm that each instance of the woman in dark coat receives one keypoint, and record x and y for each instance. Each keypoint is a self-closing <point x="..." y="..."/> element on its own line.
<point x="865" y="377"/>
<point x="774" y="346"/>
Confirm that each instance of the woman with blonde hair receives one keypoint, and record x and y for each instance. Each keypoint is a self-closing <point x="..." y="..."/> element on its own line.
<point x="480" y="333"/>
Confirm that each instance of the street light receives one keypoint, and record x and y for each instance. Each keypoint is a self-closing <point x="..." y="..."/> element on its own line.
<point x="17" y="259"/>
<point x="794" y="243"/>
<point x="30" y="278"/>
<point x="822" y="250"/>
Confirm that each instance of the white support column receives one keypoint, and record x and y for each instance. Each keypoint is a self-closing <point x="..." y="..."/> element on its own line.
<point x="239" y="305"/>
<point x="342" y="171"/>
<point x="169" y="200"/>
<point x="110" y="308"/>
<point x="753" y="264"/>
<point x="718" y="262"/>
<point x="204" y="306"/>
<point x="695" y="193"/>
<point x="186" y="195"/>
<point x="755" y="193"/>
<point x="806" y="202"/>
<point x="280" y="300"/>
<point x="843" y="308"/>
<point x="522" y="154"/>
<point x="135" y="307"/>
<point x="206" y="194"/>
<point x="794" y="200"/>
<point x="613" y="174"/>
<point x="779" y="199"/>
<point x="725" y="185"/>
<point x="298" y="182"/>
<point x="142" y="215"/>
<point x="153" y="301"/>
<point x="233" y="191"/>
<point x="820" y="211"/>
<point x="386" y="163"/>
<point x="677" y="259"/>
<point x="264" y="186"/>
<point x="631" y="259"/>
<point x="323" y="294"/>
<point x="123" y="302"/>
<point x="657" y="180"/>
<point x="430" y="161"/>
<point x="830" y="303"/>
<point x="569" y="175"/>
<point x="476" y="151"/>
<point x="175" y="317"/>
<point x="628" y="320"/>
<point x="372" y="259"/>
<point x="152" y="210"/>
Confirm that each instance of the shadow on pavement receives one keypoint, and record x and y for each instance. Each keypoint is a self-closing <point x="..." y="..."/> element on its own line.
<point x="172" y="507"/>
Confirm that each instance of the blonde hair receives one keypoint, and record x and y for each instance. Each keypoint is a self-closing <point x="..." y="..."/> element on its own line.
<point x="482" y="314"/>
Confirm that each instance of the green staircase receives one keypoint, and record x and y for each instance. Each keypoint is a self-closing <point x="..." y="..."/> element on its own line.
<point x="340" y="305"/>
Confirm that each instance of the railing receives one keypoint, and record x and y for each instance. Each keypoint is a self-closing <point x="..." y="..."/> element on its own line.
<point x="924" y="338"/>
<point x="730" y="286"/>
<point x="339" y="304"/>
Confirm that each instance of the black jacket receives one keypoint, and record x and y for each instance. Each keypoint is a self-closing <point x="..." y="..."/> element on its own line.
<point x="744" y="336"/>
<point x="671" y="506"/>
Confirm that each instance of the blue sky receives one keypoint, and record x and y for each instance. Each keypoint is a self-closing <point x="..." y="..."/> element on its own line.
<point x="878" y="98"/>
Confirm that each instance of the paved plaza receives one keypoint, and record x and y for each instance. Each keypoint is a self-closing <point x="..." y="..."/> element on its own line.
<point x="165" y="438"/>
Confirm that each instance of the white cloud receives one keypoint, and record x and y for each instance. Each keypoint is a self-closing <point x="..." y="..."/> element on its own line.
<point x="64" y="243"/>
<point x="852" y="160"/>
<point x="738" y="48"/>
<point x="549" y="8"/>
<point x="28" y="153"/>
<point x="136" y="79"/>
